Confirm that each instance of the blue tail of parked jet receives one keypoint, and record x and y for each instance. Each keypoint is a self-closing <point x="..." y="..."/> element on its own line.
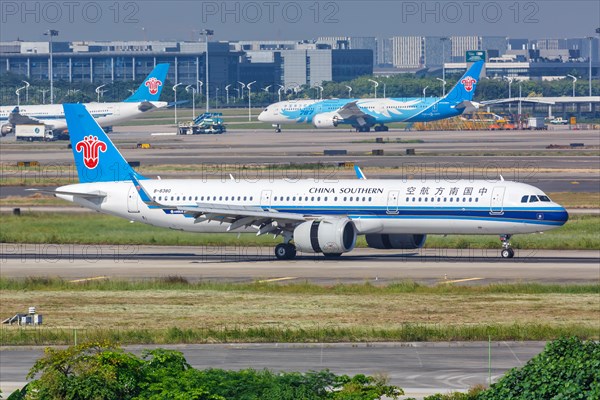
<point x="152" y="86"/>
<point x="96" y="157"/>
<point x="464" y="90"/>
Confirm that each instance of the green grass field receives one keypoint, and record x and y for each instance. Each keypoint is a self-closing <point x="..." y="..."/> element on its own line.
<point x="172" y="310"/>
<point x="581" y="232"/>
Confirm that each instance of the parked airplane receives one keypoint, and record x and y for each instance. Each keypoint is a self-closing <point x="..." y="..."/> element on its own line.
<point x="363" y="114"/>
<point x="144" y="99"/>
<point x="318" y="217"/>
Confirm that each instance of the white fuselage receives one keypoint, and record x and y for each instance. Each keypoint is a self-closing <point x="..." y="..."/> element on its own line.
<point x="107" y="114"/>
<point x="375" y="206"/>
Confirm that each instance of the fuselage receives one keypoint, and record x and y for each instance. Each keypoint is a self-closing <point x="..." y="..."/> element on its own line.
<point x="375" y="206"/>
<point x="386" y="110"/>
<point x="107" y="114"/>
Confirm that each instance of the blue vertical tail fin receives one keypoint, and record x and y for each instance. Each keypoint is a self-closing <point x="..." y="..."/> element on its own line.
<point x="464" y="90"/>
<point x="96" y="157"/>
<point x="152" y="86"/>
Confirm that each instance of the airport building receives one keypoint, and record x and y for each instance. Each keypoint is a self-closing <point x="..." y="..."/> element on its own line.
<point x="288" y="63"/>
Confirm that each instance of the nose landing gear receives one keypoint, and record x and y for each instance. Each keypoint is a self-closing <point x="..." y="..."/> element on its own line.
<point x="507" y="251"/>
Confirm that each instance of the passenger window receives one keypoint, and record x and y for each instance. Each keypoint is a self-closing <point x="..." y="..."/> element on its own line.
<point x="288" y="198"/>
<point x="533" y="199"/>
<point x="524" y="199"/>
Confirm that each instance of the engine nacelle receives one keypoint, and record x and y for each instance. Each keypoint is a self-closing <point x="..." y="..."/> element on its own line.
<point x="404" y="241"/>
<point x="326" y="120"/>
<point x="329" y="236"/>
<point x="6" y="129"/>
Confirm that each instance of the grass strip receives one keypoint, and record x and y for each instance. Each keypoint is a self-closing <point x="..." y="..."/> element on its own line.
<point x="176" y="283"/>
<point x="580" y="233"/>
<point x="276" y="334"/>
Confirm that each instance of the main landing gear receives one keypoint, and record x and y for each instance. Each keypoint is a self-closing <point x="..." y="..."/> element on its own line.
<point x="285" y="251"/>
<point x="507" y="251"/>
<point x="363" y="128"/>
<point x="381" y="128"/>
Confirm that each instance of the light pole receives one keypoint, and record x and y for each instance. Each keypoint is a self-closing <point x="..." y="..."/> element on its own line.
<point x="590" y="69"/>
<point x="444" y="86"/>
<point x="238" y="92"/>
<point x="376" y="84"/>
<point x="425" y="91"/>
<point x="207" y="33"/>
<point x="26" y="91"/>
<point x="200" y="84"/>
<point x="574" y="80"/>
<point x="227" y="92"/>
<point x="510" y="81"/>
<point x="97" y="90"/>
<point x="444" y="40"/>
<point x="44" y="95"/>
<point x="384" y="87"/>
<point x="51" y="33"/>
<point x="18" y="93"/>
<point x="281" y="87"/>
<point x="175" y="90"/>
<point x="217" y="97"/>
<point x="520" y="98"/>
<point x="189" y="88"/>
<point x="349" y="91"/>
<point x="243" y="85"/>
<point x="249" y="86"/>
<point x="319" y="87"/>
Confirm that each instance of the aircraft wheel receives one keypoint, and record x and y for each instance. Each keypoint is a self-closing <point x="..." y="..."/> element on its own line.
<point x="507" y="253"/>
<point x="285" y="251"/>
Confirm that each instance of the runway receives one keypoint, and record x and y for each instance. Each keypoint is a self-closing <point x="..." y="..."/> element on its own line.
<point x="421" y="369"/>
<point x="249" y="264"/>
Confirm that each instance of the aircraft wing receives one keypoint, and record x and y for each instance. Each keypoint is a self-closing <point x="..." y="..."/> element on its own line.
<point x="351" y="112"/>
<point x="265" y="221"/>
<point x="15" y="118"/>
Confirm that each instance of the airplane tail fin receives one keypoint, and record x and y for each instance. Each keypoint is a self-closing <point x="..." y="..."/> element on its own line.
<point x="152" y="86"/>
<point x="96" y="157"/>
<point x="464" y="90"/>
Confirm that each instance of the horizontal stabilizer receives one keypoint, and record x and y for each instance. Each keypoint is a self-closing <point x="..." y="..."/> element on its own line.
<point x="90" y="195"/>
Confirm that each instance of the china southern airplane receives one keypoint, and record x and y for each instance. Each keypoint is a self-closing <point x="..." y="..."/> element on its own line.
<point x="311" y="216"/>
<point x="363" y="114"/>
<point x="52" y="115"/>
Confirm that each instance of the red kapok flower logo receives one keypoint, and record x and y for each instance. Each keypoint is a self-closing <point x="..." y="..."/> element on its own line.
<point x="91" y="148"/>
<point x="469" y="82"/>
<point x="152" y="84"/>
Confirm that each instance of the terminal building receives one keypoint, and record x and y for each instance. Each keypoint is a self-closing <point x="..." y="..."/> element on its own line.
<point x="287" y="63"/>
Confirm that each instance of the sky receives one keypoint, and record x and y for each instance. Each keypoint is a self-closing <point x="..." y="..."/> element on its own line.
<point x="294" y="20"/>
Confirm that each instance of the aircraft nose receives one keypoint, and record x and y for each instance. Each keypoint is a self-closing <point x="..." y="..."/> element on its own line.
<point x="261" y="116"/>
<point x="563" y="216"/>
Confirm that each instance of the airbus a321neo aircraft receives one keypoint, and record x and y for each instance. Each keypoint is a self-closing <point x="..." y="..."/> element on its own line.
<point x="363" y="114"/>
<point x="143" y="100"/>
<point x="311" y="217"/>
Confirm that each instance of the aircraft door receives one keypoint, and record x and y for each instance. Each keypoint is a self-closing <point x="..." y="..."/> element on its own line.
<point x="497" y="202"/>
<point x="392" y="203"/>
<point x="265" y="198"/>
<point x="132" y="201"/>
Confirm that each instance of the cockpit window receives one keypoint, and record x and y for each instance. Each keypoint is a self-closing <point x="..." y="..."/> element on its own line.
<point x="533" y="199"/>
<point x="524" y="199"/>
<point x="266" y="109"/>
<point x="544" y="198"/>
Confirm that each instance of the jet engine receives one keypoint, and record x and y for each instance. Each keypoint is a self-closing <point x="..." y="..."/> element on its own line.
<point x="328" y="236"/>
<point x="326" y="120"/>
<point x="6" y="129"/>
<point x="404" y="241"/>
